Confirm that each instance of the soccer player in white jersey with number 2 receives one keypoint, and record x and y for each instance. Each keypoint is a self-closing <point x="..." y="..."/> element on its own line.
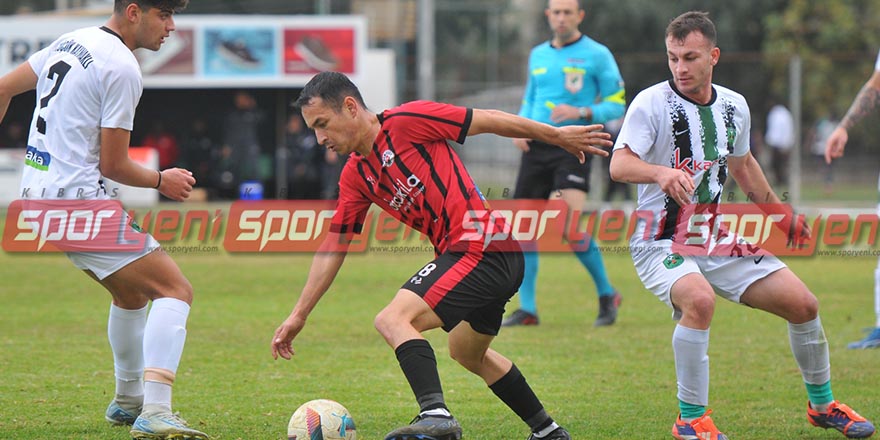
<point x="668" y="128"/>
<point x="88" y="84"/>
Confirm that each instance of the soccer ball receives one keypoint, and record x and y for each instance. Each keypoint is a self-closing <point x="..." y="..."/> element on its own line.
<point x="321" y="419"/>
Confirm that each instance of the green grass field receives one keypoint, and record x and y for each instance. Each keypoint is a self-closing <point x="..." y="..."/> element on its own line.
<point x="608" y="383"/>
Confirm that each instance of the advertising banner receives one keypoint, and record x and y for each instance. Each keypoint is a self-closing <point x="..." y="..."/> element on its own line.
<point x="218" y="50"/>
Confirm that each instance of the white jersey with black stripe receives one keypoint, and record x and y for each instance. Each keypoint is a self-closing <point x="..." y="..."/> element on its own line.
<point x="88" y="79"/>
<point x="664" y="127"/>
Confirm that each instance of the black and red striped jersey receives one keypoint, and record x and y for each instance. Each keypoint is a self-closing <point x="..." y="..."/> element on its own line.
<point x="413" y="174"/>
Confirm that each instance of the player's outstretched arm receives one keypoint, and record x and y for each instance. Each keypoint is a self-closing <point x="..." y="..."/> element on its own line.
<point x="14" y="83"/>
<point x="325" y="266"/>
<point x="750" y="177"/>
<point x="864" y="104"/>
<point x="174" y="183"/>
<point x="576" y="139"/>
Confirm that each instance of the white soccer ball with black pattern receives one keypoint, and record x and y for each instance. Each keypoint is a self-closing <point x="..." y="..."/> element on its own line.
<point x="321" y="419"/>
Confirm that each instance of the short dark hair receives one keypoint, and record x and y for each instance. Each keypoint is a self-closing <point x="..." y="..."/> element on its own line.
<point x="582" y="5"/>
<point x="162" y="5"/>
<point x="692" y="21"/>
<point x="332" y="88"/>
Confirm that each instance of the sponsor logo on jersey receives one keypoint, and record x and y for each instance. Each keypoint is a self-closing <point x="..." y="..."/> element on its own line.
<point x="405" y="192"/>
<point x="691" y="166"/>
<point x="37" y="159"/>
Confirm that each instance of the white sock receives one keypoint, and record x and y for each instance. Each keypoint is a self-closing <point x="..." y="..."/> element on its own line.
<point x="125" y="330"/>
<point x="437" y="412"/>
<point x="691" y="348"/>
<point x="157" y="396"/>
<point x="810" y="349"/>
<point x="546" y="431"/>
<point x="164" y="337"/>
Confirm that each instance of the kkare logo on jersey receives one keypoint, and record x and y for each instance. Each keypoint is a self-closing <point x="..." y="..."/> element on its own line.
<point x="37" y="159"/>
<point x="689" y="165"/>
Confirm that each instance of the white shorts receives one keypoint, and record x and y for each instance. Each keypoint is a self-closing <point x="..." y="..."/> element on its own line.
<point x="659" y="268"/>
<point x="104" y="264"/>
<point x="96" y="235"/>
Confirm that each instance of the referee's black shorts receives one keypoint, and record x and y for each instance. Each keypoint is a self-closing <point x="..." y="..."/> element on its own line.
<point x="470" y="286"/>
<point x="546" y="168"/>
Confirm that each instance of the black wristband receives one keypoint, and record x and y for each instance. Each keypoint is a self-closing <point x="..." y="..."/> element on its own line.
<point x="159" y="183"/>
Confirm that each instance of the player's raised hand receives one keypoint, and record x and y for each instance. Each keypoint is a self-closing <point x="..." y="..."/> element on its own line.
<point x="282" y="341"/>
<point x="584" y="139"/>
<point x="176" y="183"/>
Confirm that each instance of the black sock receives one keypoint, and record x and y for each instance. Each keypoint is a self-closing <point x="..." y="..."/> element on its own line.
<point x="513" y="390"/>
<point x="416" y="358"/>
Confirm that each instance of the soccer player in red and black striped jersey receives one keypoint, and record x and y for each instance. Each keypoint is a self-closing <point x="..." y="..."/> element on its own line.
<point x="400" y="160"/>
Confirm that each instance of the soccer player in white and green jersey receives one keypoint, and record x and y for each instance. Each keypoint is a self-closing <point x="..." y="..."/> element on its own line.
<point x="679" y="141"/>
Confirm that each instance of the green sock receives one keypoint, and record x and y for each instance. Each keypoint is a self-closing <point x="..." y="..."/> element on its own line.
<point x="690" y="411"/>
<point x="820" y="395"/>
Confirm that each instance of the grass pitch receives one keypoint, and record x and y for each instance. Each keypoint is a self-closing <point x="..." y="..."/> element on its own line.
<point x="607" y="383"/>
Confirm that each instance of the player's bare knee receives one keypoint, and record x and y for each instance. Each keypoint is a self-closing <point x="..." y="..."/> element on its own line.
<point x="470" y="361"/>
<point x="807" y="309"/>
<point x="702" y="304"/>
<point x="383" y="323"/>
<point x="180" y="289"/>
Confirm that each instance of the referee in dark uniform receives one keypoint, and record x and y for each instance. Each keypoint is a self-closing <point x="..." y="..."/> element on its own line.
<point x="572" y="80"/>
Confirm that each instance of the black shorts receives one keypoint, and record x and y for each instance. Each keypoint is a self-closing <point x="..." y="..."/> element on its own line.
<point x="469" y="286"/>
<point x="546" y="168"/>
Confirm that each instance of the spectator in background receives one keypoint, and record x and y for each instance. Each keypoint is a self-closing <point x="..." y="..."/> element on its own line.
<point x="780" y="138"/>
<point x="332" y="168"/>
<point x="164" y="142"/>
<point x="241" y="140"/>
<point x="817" y="138"/>
<point x="224" y="177"/>
<point x="198" y="151"/>
<point x="305" y="161"/>
<point x="15" y="136"/>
